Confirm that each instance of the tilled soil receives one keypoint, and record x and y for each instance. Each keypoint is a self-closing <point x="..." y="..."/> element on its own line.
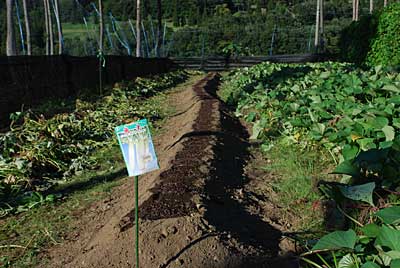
<point x="196" y="211"/>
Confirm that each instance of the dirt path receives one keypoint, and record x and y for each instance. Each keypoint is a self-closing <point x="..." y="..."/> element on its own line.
<point x="196" y="211"/>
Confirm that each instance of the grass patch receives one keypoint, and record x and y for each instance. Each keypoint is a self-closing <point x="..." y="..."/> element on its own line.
<point x="297" y="172"/>
<point x="77" y="30"/>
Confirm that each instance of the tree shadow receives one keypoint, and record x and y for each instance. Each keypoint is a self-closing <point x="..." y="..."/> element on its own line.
<point x="89" y="183"/>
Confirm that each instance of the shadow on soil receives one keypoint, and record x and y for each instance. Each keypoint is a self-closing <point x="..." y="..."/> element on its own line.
<point x="90" y="183"/>
<point x="228" y="214"/>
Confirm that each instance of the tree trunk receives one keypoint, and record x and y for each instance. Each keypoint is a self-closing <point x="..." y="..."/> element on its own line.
<point x="357" y="9"/>
<point x="371" y="6"/>
<point x="385" y="2"/>
<point x="160" y="27"/>
<point x="27" y="28"/>
<point x="11" y="46"/>
<point x="101" y="26"/>
<point x="47" y="26"/>
<point x="101" y="37"/>
<point x="321" y="24"/>
<point x="317" y="24"/>
<point x="354" y="10"/>
<point x="59" y="28"/>
<point x="138" y="32"/>
<point x="50" y="27"/>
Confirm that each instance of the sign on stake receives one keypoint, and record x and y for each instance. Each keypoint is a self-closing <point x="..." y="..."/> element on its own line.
<point x="139" y="156"/>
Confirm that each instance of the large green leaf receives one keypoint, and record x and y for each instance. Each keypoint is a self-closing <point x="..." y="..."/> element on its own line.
<point x="257" y="128"/>
<point x="337" y="240"/>
<point x="395" y="263"/>
<point x="389" y="237"/>
<point x="347" y="168"/>
<point x="366" y="144"/>
<point x="389" y="215"/>
<point x="378" y="122"/>
<point x="391" y="88"/>
<point x="389" y="133"/>
<point x="369" y="264"/>
<point x="371" y="230"/>
<point x="361" y="192"/>
<point x="348" y="262"/>
<point x="349" y="152"/>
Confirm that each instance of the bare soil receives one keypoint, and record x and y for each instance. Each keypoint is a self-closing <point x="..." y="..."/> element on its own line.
<point x="205" y="207"/>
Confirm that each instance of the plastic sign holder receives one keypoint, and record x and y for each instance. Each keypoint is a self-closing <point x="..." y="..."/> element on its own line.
<point x="140" y="158"/>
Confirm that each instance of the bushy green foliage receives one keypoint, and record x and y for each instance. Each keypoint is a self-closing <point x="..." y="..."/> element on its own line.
<point x="374" y="40"/>
<point x="354" y="115"/>
<point x="40" y="151"/>
<point x="385" y="47"/>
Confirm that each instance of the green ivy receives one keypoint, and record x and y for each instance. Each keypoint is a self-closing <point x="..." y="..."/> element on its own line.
<point x="385" y="48"/>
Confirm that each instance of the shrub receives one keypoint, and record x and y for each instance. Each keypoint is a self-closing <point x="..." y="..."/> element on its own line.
<point x="385" y="47"/>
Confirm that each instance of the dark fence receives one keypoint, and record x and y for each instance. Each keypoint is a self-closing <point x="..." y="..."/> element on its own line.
<point x="31" y="80"/>
<point x="221" y="63"/>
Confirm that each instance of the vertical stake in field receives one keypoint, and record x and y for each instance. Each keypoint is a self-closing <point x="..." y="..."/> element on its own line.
<point x="137" y="218"/>
<point x="140" y="157"/>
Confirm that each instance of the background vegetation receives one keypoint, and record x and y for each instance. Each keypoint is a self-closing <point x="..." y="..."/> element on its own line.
<point x="198" y="27"/>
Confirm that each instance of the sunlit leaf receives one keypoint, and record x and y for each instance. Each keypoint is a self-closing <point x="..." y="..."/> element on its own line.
<point x="337" y="240"/>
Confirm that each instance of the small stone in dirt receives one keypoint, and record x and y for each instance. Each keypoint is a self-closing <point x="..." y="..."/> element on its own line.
<point x="106" y="207"/>
<point x="172" y="230"/>
<point x="164" y="233"/>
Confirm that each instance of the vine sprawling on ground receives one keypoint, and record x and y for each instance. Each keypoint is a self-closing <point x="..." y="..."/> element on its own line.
<point x="39" y="152"/>
<point x="354" y="115"/>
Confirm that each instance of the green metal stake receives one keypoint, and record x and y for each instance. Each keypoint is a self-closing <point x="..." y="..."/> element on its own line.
<point x="137" y="218"/>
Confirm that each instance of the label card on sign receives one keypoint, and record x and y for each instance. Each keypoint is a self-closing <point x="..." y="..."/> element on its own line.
<point x="137" y="147"/>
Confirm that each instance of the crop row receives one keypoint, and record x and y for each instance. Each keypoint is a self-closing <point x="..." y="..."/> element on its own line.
<point x="354" y="115"/>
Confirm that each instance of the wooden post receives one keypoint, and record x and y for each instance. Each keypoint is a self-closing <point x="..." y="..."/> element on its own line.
<point x="27" y="28"/>
<point x="138" y="32"/>
<point x="101" y="37"/>
<point x="159" y="28"/>
<point x="46" y="26"/>
<point x="11" y="47"/>
<point x="50" y="21"/>
<point x="59" y="28"/>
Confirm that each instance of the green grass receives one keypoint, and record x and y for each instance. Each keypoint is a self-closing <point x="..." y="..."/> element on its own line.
<point x="297" y="173"/>
<point x="72" y="30"/>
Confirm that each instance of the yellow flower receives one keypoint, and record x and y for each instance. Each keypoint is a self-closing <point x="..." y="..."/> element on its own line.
<point x="355" y="137"/>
